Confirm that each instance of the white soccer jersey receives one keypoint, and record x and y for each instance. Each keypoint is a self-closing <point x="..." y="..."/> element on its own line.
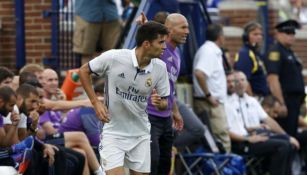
<point x="128" y="89"/>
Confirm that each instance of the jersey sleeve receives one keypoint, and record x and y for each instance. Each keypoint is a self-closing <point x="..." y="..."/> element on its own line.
<point x="101" y="64"/>
<point x="273" y="61"/>
<point x="163" y="86"/>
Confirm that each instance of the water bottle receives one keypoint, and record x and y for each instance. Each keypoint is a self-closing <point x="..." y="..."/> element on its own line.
<point x="74" y="76"/>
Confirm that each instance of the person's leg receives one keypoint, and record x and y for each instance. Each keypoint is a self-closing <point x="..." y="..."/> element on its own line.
<point x="79" y="140"/>
<point x="112" y="152"/>
<point x="166" y="143"/>
<point x="279" y="152"/>
<point x="218" y="124"/>
<point x="138" y="156"/>
<point x="85" y="38"/>
<point x="115" y="171"/>
<point x="85" y="170"/>
<point x="155" y="132"/>
<point x="290" y="123"/>
<point x="110" y="33"/>
<point x="193" y="127"/>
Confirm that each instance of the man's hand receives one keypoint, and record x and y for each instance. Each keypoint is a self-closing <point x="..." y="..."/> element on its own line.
<point x="177" y="121"/>
<point x="34" y="116"/>
<point x="101" y="111"/>
<point x="49" y="152"/>
<point x="213" y="101"/>
<point x="295" y="143"/>
<point x="60" y="95"/>
<point x="140" y="20"/>
<point x="257" y="138"/>
<point x="15" y="118"/>
<point x="283" y="111"/>
<point x="155" y="98"/>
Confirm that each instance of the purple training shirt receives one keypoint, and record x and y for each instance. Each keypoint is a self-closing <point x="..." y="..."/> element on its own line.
<point x="172" y="60"/>
<point x="83" y="120"/>
<point x="1" y="121"/>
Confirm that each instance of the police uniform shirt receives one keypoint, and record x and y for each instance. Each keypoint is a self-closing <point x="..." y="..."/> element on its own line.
<point x="249" y="62"/>
<point x="288" y="67"/>
<point x="128" y="89"/>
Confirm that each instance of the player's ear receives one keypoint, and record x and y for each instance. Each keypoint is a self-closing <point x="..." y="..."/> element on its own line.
<point x="146" y="44"/>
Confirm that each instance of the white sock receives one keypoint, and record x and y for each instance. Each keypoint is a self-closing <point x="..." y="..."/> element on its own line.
<point x="99" y="171"/>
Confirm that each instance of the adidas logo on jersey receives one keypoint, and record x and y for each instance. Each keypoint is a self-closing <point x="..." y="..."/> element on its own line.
<point x="122" y="75"/>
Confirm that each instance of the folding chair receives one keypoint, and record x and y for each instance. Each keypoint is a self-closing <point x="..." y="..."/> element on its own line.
<point x="201" y="161"/>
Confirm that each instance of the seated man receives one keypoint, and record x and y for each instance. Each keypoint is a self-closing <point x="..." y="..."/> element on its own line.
<point x="244" y="116"/>
<point x="84" y="119"/>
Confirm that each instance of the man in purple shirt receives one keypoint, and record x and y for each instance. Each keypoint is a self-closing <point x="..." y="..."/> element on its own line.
<point x="161" y="121"/>
<point x="84" y="120"/>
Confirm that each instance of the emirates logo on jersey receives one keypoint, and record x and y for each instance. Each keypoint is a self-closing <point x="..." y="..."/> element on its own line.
<point x="148" y="82"/>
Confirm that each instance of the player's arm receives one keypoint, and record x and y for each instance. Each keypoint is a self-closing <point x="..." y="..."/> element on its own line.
<point x="86" y="80"/>
<point x="159" y="102"/>
<point x="65" y="105"/>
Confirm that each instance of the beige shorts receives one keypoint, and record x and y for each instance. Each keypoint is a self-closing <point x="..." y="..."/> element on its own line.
<point x="88" y="35"/>
<point x="132" y="153"/>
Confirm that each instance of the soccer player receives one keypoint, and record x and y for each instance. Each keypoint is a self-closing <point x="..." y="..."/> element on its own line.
<point x="131" y="77"/>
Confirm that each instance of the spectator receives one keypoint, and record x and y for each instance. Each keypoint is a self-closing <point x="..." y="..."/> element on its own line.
<point x="230" y="83"/>
<point x="51" y="85"/>
<point x="209" y="81"/>
<point x="250" y="137"/>
<point x="36" y="69"/>
<point x="97" y="21"/>
<point x="250" y="61"/>
<point x="6" y="77"/>
<point x="285" y="76"/>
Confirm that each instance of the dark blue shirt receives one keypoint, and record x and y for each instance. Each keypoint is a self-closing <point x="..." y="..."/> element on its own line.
<point x="250" y="62"/>
<point x="283" y="62"/>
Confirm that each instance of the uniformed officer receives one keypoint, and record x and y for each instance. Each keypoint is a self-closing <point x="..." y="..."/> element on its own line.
<point x="249" y="60"/>
<point x="285" y="75"/>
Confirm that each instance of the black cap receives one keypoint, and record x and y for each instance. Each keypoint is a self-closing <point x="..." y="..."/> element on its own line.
<point x="288" y="26"/>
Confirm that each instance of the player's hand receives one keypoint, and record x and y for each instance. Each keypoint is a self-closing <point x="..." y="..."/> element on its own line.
<point x="155" y="98"/>
<point x="177" y="121"/>
<point x="295" y="143"/>
<point x="140" y="20"/>
<point x="15" y="118"/>
<point x="101" y="111"/>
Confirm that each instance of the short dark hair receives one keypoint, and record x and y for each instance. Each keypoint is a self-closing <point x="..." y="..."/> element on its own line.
<point x="150" y="31"/>
<point x="6" y="93"/>
<point x="214" y="31"/>
<point x="26" y="76"/>
<point x="5" y="73"/>
<point x="269" y="101"/>
<point x="25" y="90"/>
<point x="160" y="17"/>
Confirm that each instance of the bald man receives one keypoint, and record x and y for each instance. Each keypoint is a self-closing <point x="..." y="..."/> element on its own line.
<point x="51" y="84"/>
<point x="161" y="121"/>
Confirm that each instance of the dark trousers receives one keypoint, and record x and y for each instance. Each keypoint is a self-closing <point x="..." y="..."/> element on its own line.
<point x="290" y="123"/>
<point x="161" y="144"/>
<point x="278" y="151"/>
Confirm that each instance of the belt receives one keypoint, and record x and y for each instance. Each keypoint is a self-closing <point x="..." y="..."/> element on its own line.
<point x="200" y="98"/>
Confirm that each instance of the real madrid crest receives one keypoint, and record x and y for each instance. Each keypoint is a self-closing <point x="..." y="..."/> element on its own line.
<point x="148" y="82"/>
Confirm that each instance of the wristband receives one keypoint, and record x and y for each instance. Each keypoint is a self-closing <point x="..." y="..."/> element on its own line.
<point x="208" y="95"/>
